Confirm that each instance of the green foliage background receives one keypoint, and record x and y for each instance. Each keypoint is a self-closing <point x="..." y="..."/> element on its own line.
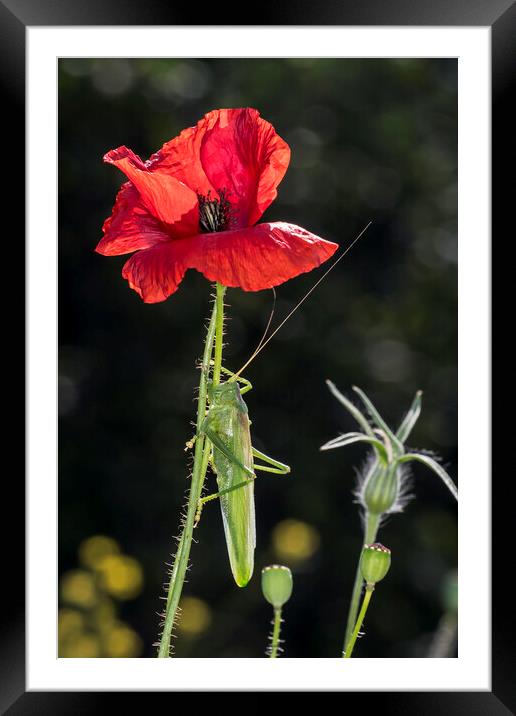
<point x="371" y="140"/>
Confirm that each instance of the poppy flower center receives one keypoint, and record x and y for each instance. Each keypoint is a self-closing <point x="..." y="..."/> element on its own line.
<point x="214" y="214"/>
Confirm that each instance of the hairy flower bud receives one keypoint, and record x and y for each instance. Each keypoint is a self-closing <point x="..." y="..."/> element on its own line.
<point x="381" y="489"/>
<point x="375" y="562"/>
<point x="277" y="584"/>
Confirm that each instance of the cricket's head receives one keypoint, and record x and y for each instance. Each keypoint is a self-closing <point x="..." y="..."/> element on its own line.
<point x="226" y="395"/>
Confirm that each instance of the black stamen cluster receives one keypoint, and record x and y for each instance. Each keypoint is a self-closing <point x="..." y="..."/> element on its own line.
<point x="215" y="214"/>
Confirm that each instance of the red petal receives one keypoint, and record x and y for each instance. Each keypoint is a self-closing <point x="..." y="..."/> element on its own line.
<point x="232" y="149"/>
<point x="130" y="226"/>
<point x="243" y="154"/>
<point x="181" y="158"/>
<point x="253" y="259"/>
<point x="157" y="272"/>
<point x="168" y="199"/>
<point x="259" y="257"/>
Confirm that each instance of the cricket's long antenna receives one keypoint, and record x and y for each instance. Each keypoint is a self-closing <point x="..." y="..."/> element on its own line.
<point x="263" y="343"/>
<point x="271" y="315"/>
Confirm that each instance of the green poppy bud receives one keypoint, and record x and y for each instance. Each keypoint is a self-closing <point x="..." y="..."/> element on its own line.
<point x="276" y="584"/>
<point x="375" y="562"/>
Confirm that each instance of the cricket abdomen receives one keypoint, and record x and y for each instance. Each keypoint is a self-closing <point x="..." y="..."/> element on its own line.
<point x="238" y="517"/>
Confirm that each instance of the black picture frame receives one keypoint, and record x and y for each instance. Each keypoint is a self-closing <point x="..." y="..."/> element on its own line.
<point x="15" y="17"/>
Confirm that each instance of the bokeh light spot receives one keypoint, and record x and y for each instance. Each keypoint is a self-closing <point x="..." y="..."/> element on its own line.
<point x="85" y="646"/>
<point x="195" y="616"/>
<point x="295" y="540"/>
<point x="104" y="614"/>
<point x="93" y="550"/>
<point x="182" y="81"/>
<point x="122" y="576"/>
<point x="70" y="622"/>
<point x="122" y="642"/>
<point x="112" y="77"/>
<point x="390" y="361"/>
<point x="75" y="67"/>
<point x="78" y="587"/>
<point x="67" y="394"/>
<point x="450" y="592"/>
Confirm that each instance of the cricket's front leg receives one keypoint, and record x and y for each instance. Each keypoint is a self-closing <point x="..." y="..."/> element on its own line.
<point x="190" y="443"/>
<point x="274" y="466"/>
<point x="197" y="519"/>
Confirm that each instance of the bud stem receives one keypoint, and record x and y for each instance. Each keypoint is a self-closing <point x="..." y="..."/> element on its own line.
<point x="275" y="639"/>
<point x="346" y="654"/>
<point x="372" y="522"/>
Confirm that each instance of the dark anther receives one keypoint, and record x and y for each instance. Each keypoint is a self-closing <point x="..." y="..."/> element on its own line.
<point x="214" y="214"/>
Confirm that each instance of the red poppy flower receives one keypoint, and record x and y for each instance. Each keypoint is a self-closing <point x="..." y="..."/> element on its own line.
<point x="195" y="204"/>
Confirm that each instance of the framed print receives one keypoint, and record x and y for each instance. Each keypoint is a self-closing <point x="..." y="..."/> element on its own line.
<point x="301" y="208"/>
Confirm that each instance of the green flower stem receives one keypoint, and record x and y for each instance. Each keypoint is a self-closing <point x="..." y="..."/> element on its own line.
<point x="219" y="334"/>
<point x="372" y="522"/>
<point x="200" y="466"/>
<point x="275" y="639"/>
<point x="367" y="598"/>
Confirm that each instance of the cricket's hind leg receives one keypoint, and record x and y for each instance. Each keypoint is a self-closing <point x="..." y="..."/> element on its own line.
<point x="274" y="466"/>
<point x="209" y="498"/>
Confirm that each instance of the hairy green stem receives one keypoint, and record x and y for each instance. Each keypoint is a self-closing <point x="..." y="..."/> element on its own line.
<point x="371" y="524"/>
<point x="200" y="466"/>
<point x="275" y="639"/>
<point x="219" y="333"/>
<point x="354" y="635"/>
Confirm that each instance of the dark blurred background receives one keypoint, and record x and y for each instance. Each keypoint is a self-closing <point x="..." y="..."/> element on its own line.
<point x="371" y="140"/>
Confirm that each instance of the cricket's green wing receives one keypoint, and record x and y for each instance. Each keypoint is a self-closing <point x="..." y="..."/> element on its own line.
<point x="230" y="427"/>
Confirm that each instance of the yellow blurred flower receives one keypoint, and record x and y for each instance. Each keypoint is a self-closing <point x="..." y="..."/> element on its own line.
<point x="105" y="614"/>
<point x="294" y="540"/>
<point x="70" y="621"/>
<point x="88" y="618"/>
<point x="122" y="576"/>
<point x="122" y="642"/>
<point x="195" y="616"/>
<point x="85" y="646"/>
<point x="95" y="548"/>
<point x="78" y="587"/>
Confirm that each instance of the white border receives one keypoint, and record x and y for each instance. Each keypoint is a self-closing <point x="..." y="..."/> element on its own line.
<point x="471" y="670"/>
